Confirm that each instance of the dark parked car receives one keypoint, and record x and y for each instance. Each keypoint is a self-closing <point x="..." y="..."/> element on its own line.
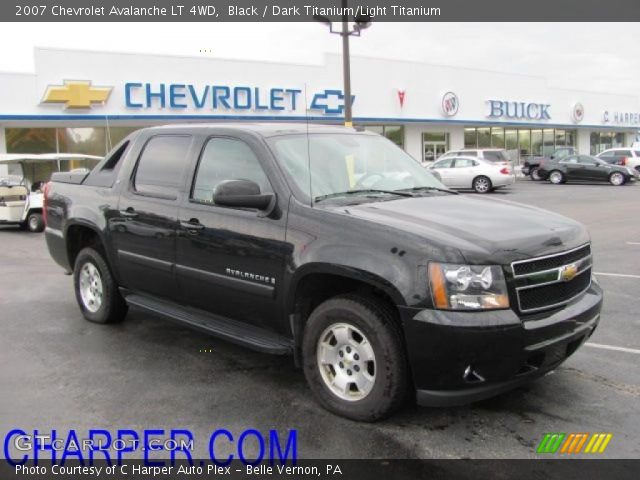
<point x="333" y="246"/>
<point x="585" y="168"/>
<point x="531" y="165"/>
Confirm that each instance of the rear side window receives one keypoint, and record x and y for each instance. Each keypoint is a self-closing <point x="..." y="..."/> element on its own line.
<point x="636" y="153"/>
<point x="623" y="153"/>
<point x="162" y="165"/>
<point x="464" y="162"/>
<point x="495" y="156"/>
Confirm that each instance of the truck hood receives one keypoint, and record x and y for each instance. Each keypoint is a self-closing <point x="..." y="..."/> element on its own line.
<point x="482" y="229"/>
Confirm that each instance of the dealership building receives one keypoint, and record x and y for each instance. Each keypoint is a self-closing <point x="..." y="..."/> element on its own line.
<point x="85" y="102"/>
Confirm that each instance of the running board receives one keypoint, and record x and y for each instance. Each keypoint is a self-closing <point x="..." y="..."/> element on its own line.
<point x="231" y="330"/>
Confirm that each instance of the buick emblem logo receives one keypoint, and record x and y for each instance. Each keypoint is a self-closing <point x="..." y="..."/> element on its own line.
<point x="578" y="112"/>
<point x="450" y="104"/>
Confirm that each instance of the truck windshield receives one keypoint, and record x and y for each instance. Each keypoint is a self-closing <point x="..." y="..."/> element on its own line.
<point x="349" y="164"/>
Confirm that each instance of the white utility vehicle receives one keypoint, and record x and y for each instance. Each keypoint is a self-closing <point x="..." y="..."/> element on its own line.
<point x="21" y="191"/>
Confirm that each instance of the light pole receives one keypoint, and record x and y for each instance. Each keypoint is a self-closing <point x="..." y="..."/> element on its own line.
<point x="360" y="22"/>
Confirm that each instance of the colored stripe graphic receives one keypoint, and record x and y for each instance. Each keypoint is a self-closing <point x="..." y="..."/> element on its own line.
<point x="551" y="442"/>
<point x="573" y="443"/>
<point x="598" y="443"/>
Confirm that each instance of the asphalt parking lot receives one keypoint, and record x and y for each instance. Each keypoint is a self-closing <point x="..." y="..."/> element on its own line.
<point x="60" y="372"/>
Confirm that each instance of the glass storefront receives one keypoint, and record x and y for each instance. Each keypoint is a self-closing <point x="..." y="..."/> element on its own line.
<point x="395" y="133"/>
<point x="434" y="144"/>
<point x="87" y="140"/>
<point x="519" y="142"/>
<point x="601" y="141"/>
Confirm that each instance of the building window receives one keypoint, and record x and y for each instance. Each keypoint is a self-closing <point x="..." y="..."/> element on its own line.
<point x="31" y="140"/>
<point x="395" y="133"/>
<point x="87" y="140"/>
<point x="470" y="138"/>
<point x="600" y="141"/>
<point x="434" y="144"/>
<point x="519" y="142"/>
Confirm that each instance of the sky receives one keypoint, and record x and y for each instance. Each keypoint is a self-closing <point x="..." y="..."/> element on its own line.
<point x="597" y="57"/>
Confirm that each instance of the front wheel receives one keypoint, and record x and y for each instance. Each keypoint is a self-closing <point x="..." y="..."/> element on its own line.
<point x="535" y="174"/>
<point x="482" y="184"/>
<point x="556" y="177"/>
<point x="617" y="179"/>
<point x="96" y="290"/>
<point x="354" y="359"/>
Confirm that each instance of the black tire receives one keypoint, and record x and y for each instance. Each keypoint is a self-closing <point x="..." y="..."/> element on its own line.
<point x="377" y="322"/>
<point x="482" y="184"/>
<point x="535" y="174"/>
<point x="553" y="175"/>
<point x="35" y="222"/>
<point x="113" y="308"/>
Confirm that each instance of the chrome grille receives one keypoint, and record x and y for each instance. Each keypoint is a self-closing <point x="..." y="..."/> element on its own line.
<point x="553" y="280"/>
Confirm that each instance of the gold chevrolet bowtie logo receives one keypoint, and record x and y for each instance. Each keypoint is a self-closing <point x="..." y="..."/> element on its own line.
<point x="568" y="272"/>
<point x="76" y="94"/>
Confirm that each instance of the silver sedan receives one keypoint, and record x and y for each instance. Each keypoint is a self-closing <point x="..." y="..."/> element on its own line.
<point x="478" y="174"/>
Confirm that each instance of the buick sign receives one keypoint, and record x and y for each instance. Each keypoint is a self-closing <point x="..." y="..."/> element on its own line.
<point x="519" y="110"/>
<point x="450" y="104"/>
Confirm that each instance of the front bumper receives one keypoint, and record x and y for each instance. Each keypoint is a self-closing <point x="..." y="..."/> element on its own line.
<point x="461" y="357"/>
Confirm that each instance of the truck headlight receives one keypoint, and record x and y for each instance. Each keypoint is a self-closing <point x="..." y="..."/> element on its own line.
<point x="467" y="287"/>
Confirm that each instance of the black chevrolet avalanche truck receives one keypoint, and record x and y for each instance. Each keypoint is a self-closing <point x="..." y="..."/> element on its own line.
<point x="331" y="245"/>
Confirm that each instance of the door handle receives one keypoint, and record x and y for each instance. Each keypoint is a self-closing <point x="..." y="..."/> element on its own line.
<point x="129" y="212"/>
<point x="192" y="225"/>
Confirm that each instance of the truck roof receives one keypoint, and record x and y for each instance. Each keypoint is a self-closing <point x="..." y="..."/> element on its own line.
<point x="264" y="129"/>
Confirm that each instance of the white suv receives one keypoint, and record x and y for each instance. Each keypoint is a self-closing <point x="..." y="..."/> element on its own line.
<point x="494" y="155"/>
<point x="628" y="157"/>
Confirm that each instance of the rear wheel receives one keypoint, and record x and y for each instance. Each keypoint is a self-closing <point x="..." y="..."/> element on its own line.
<point x="35" y="222"/>
<point x="617" y="179"/>
<point x="482" y="184"/>
<point x="535" y="174"/>
<point x="556" y="177"/>
<point x="96" y="290"/>
<point x="354" y="358"/>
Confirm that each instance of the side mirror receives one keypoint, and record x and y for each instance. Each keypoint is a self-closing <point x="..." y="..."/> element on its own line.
<point x="552" y="157"/>
<point x="243" y="194"/>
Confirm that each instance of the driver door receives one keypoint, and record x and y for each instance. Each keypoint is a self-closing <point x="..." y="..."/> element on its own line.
<point x="230" y="261"/>
<point x="591" y="170"/>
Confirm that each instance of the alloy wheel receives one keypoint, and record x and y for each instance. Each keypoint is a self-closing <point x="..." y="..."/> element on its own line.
<point x="555" y="177"/>
<point x="346" y="361"/>
<point x="482" y="185"/>
<point x="91" y="290"/>
<point x="616" y="179"/>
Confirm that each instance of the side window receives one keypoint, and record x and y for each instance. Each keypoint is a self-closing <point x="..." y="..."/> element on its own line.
<point x="446" y="163"/>
<point x="569" y="160"/>
<point x="226" y="159"/>
<point x="493" y="156"/>
<point x="623" y="153"/>
<point x="585" y="160"/>
<point x="463" y="163"/>
<point x="161" y="165"/>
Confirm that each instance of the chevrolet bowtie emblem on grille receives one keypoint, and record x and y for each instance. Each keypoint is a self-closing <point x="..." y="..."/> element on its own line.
<point x="568" y="272"/>
<point x="76" y="94"/>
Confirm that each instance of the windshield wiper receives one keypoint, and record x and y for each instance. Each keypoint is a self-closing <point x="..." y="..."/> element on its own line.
<point x="435" y="189"/>
<point x="368" y="190"/>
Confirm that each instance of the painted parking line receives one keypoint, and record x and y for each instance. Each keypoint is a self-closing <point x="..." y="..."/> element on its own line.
<point x="633" y="243"/>
<point x="612" y="347"/>
<point x="622" y="275"/>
